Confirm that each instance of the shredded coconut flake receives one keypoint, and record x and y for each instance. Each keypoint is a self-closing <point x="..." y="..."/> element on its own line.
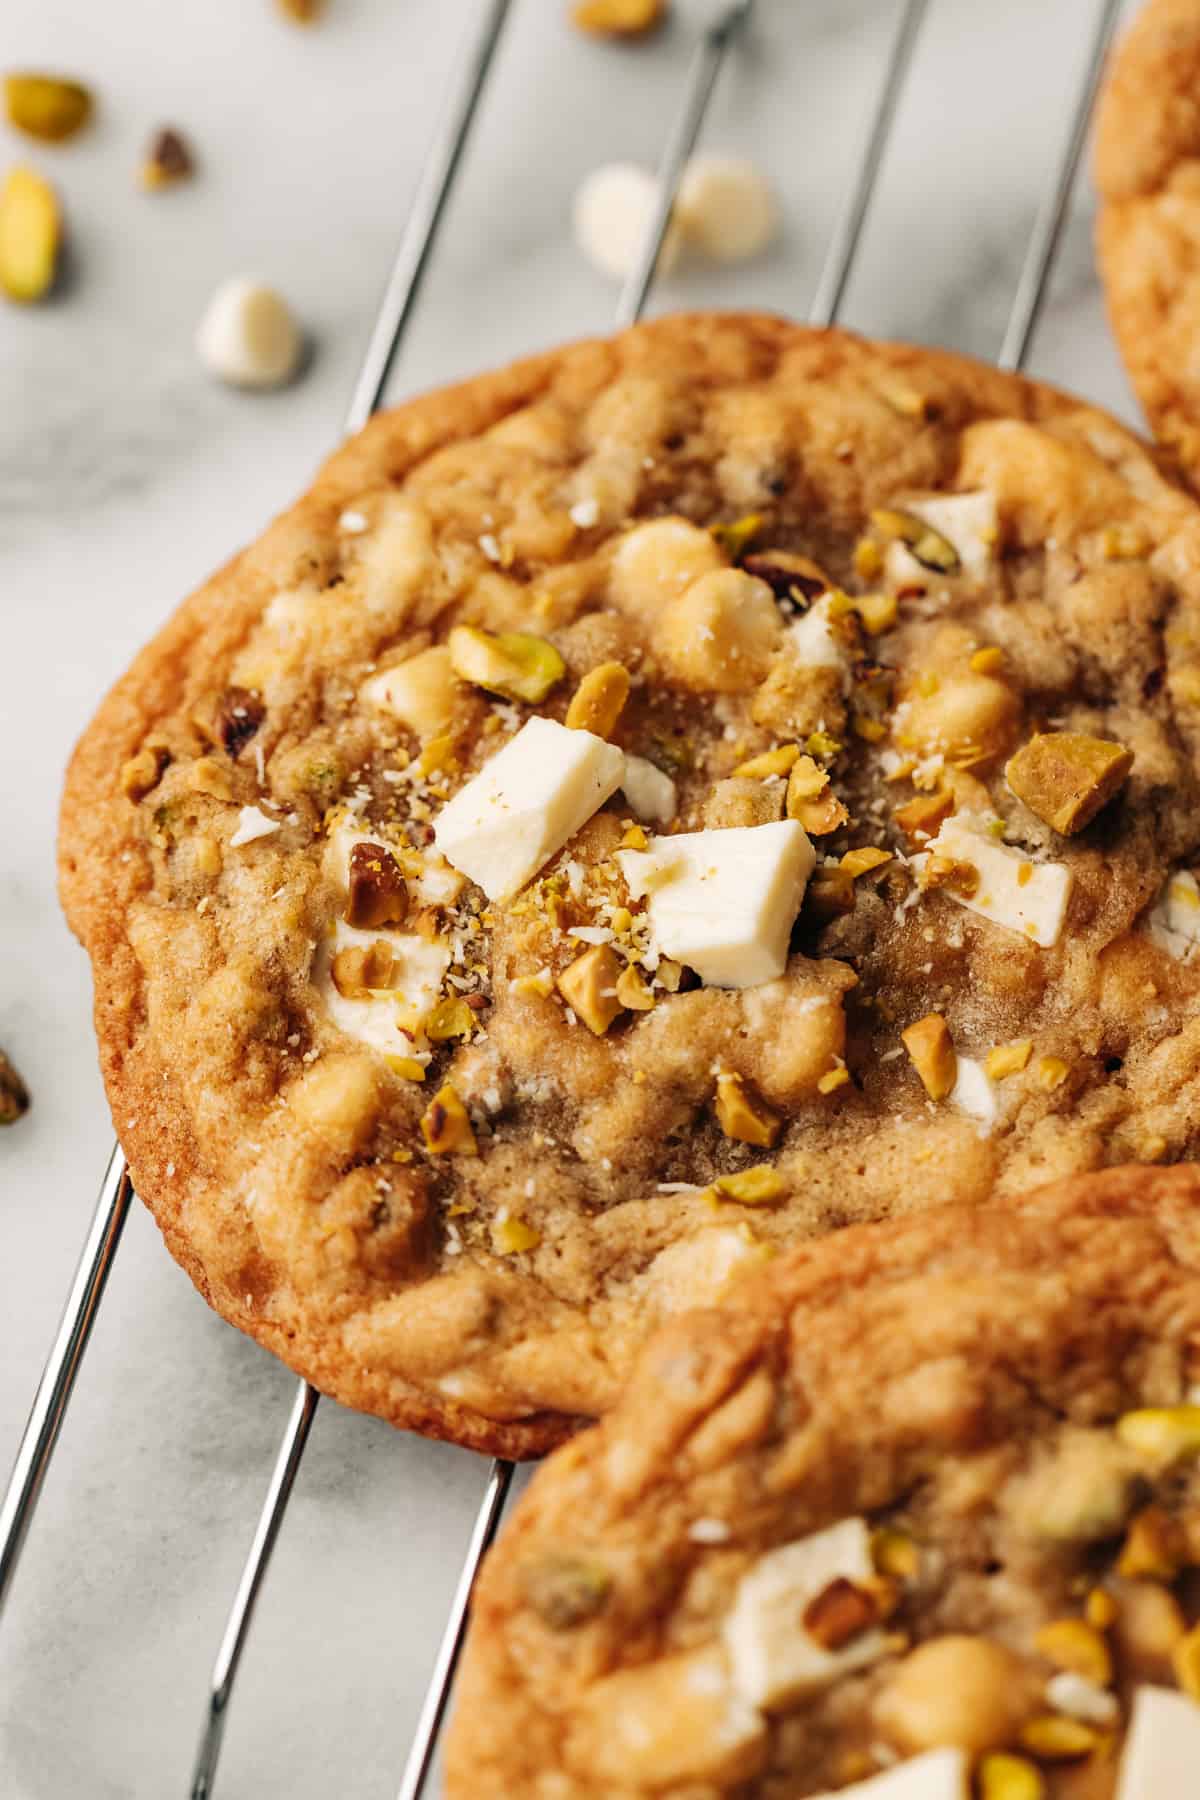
<point x="252" y="823"/>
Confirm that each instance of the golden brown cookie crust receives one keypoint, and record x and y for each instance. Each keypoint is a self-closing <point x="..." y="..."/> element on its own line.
<point x="925" y="1371"/>
<point x="1147" y="167"/>
<point x="285" y="1161"/>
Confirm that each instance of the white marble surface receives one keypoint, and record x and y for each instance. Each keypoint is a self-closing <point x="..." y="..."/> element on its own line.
<point x="124" y="477"/>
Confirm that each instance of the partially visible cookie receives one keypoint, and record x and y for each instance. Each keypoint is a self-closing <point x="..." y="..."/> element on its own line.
<point x="915" y="1515"/>
<point x="1147" y="165"/>
<point x="670" y="798"/>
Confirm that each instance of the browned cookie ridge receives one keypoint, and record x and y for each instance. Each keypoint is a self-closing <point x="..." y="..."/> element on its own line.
<point x="914" y="1517"/>
<point x="571" y="854"/>
<point x="1147" y="164"/>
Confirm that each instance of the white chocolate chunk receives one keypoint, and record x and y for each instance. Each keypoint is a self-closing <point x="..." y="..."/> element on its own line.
<point x="1161" y="1758"/>
<point x="1013" y="891"/>
<point x="967" y="521"/>
<point x="523" y="806"/>
<point x="419" y="693"/>
<point x="775" y="1660"/>
<point x="726" y="207"/>
<point x="697" y="1270"/>
<point x="651" y="794"/>
<point x="937" y="1775"/>
<point x="249" y="336"/>
<point x="389" y="1020"/>
<point x="611" y="212"/>
<point x="974" y="1092"/>
<point x="669" y="1723"/>
<point x="252" y="823"/>
<point x="723" y="902"/>
<point x="815" y="640"/>
<point x="1174" y="921"/>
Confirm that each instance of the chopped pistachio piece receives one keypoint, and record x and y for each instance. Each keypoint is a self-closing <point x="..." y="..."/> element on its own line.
<point x="46" y="107"/>
<point x="1162" y="1434"/>
<point x="167" y="160"/>
<point x="923" y="816"/>
<point x="750" y="1187"/>
<point x="1075" y="1645"/>
<point x="446" y="1127"/>
<point x="632" y="991"/>
<point x="589" y="987"/>
<point x="771" y="762"/>
<point x="736" y="537"/>
<point x="510" y="663"/>
<point x="1058" y="1739"/>
<point x="833" y="1079"/>
<point x="931" y="1048"/>
<point x="840" y="1612"/>
<point x="1154" y="1546"/>
<point x="789" y="577"/>
<point x="599" y="700"/>
<point x="405" y="1066"/>
<point x="1008" y="1059"/>
<point x="1065" y="777"/>
<point x="511" y="1235"/>
<point x="376" y="891"/>
<point x="820" y="815"/>
<point x="1005" y="1777"/>
<point x="742" y="1115"/>
<point x="1185" y="1659"/>
<point x="894" y="1553"/>
<point x="929" y="547"/>
<point x="863" y="860"/>
<point x="14" y="1095"/>
<point x="450" y="1018"/>
<point x="359" y="971"/>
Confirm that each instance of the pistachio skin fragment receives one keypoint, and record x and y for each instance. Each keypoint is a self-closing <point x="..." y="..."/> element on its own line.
<point x="14" y="1095"/>
<point x="1065" y="777"/>
<point x="47" y="107"/>
<point x="167" y="161"/>
<point x="30" y="235"/>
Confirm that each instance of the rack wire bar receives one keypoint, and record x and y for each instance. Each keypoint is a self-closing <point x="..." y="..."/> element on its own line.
<point x="396" y="309"/>
<point x="1052" y="214"/>
<point x="62" y="1366"/>
<point x="847" y="233"/>
<point x="283" y="1478"/>
<point x="702" y="75"/>
<point x="420" y="232"/>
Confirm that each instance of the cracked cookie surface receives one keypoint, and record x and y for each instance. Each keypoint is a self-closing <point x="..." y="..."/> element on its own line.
<point x="914" y="1516"/>
<point x="735" y="628"/>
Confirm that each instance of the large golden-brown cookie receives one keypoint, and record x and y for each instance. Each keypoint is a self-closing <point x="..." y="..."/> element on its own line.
<point x="914" y="1516"/>
<point x="1147" y="165"/>
<point x="572" y="852"/>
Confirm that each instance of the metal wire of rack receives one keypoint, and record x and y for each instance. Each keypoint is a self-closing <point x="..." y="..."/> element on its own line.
<point x="396" y="310"/>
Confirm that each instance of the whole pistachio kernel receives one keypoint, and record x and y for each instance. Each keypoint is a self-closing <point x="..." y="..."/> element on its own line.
<point x="46" y="107"/>
<point x="566" y="1589"/>
<point x="510" y="663"/>
<point x="1005" y="1777"/>
<point x="31" y="231"/>
<point x="1162" y="1434"/>
<point x="1065" y="777"/>
<point x="742" y="1115"/>
<point x="446" y="1127"/>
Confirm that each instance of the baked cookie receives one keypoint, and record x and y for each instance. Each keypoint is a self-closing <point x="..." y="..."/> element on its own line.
<point x="572" y="852"/>
<point x="1147" y="165"/>
<point x="915" y="1517"/>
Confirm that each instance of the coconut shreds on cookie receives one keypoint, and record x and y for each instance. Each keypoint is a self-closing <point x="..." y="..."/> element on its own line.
<point x="1147" y="166"/>
<point x="665" y="800"/>
<point x="916" y="1518"/>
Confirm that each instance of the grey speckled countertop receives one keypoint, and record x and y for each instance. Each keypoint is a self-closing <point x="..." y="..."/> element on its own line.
<point x="125" y="476"/>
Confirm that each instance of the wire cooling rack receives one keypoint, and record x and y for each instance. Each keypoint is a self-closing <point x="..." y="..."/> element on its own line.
<point x="396" y="309"/>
